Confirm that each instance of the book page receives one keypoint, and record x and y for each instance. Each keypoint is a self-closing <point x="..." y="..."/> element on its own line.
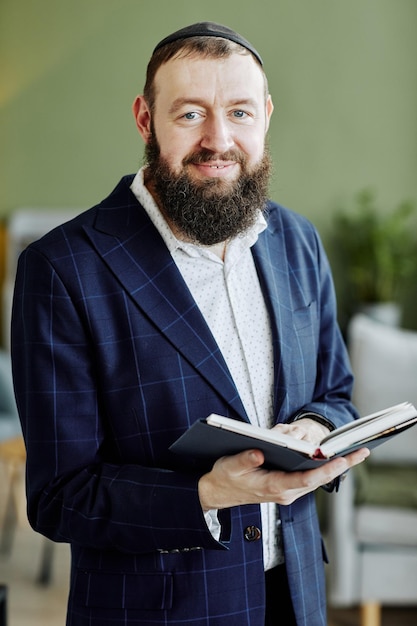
<point x="368" y="427"/>
<point x="355" y="424"/>
<point x="361" y="430"/>
<point x="264" y="434"/>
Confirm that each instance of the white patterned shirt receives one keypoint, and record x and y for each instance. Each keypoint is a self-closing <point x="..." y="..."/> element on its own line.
<point x="229" y="296"/>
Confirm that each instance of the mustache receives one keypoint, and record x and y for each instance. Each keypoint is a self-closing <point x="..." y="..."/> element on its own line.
<point x="206" y="156"/>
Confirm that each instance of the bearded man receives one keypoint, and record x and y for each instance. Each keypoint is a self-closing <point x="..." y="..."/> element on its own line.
<point x="185" y="292"/>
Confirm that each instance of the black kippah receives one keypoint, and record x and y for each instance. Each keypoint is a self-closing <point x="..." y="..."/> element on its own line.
<point x="209" y="29"/>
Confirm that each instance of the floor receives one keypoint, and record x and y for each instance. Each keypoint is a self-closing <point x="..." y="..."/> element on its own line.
<point x="33" y="604"/>
<point x="390" y="617"/>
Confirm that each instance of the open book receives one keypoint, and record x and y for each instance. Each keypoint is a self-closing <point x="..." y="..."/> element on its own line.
<point x="209" y="439"/>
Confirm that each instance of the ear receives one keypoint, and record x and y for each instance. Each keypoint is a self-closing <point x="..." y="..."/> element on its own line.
<point x="268" y="111"/>
<point x="142" y="116"/>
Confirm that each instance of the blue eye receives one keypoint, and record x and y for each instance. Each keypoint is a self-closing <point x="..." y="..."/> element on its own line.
<point x="191" y="115"/>
<point x="239" y="114"/>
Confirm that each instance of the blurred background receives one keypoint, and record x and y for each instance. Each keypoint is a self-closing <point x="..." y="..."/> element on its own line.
<point x="343" y="77"/>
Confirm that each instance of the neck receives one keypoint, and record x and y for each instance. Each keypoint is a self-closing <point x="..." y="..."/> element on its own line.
<point x="219" y="249"/>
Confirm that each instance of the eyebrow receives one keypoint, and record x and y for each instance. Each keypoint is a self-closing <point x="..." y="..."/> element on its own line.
<point x="180" y="102"/>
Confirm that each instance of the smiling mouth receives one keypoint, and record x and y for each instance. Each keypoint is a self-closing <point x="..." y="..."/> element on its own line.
<point x="207" y="166"/>
<point x="214" y="166"/>
<point x="216" y="170"/>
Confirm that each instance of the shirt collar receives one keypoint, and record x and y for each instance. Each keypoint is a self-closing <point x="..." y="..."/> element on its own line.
<point x="234" y="249"/>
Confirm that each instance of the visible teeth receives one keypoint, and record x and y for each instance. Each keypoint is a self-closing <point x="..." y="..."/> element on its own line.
<point x="217" y="167"/>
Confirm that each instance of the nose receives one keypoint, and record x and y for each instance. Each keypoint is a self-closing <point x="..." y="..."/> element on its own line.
<point x="217" y="135"/>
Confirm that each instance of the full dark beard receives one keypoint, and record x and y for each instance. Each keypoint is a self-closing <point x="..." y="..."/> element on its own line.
<point x="213" y="210"/>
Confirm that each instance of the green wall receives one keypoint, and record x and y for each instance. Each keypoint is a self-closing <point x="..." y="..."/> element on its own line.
<point x="342" y="75"/>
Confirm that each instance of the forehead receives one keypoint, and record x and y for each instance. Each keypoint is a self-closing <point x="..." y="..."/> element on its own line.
<point x="235" y="77"/>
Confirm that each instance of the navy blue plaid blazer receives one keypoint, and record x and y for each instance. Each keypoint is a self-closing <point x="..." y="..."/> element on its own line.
<point x="112" y="361"/>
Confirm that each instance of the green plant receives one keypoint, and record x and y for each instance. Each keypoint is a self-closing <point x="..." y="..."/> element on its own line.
<point x="377" y="250"/>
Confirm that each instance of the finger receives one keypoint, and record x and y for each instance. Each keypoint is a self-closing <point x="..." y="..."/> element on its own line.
<point x="342" y="464"/>
<point x="312" y="479"/>
<point x="298" y="431"/>
<point x="354" y="458"/>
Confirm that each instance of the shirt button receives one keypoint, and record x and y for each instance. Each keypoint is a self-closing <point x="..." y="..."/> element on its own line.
<point x="252" y="533"/>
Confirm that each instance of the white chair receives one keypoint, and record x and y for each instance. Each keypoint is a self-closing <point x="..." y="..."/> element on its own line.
<point x="372" y="521"/>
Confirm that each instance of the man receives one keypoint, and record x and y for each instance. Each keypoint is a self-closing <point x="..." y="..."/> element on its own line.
<point x="181" y="294"/>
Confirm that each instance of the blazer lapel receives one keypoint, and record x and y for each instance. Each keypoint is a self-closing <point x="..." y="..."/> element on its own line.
<point x="269" y="256"/>
<point x="135" y="253"/>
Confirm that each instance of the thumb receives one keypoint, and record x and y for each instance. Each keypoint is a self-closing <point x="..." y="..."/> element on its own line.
<point x="250" y="459"/>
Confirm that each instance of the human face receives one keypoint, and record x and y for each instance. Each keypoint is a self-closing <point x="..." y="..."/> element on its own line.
<point x="215" y="107"/>
<point x="209" y="211"/>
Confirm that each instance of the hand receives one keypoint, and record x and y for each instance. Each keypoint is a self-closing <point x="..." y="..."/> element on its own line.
<point x="305" y="428"/>
<point x="240" y="479"/>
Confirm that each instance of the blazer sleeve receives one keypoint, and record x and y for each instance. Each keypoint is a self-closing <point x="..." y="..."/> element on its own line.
<point x="76" y="492"/>
<point x="334" y="380"/>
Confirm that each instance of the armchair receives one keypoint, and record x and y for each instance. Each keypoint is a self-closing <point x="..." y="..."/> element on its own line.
<point x="372" y="521"/>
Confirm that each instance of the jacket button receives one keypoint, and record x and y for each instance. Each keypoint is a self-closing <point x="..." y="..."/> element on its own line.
<point x="252" y="533"/>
